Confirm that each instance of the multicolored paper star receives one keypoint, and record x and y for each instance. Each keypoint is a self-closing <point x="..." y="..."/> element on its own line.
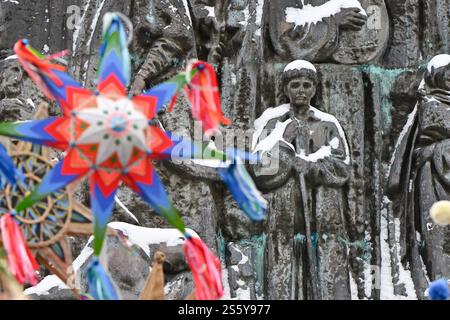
<point x="109" y="136"/>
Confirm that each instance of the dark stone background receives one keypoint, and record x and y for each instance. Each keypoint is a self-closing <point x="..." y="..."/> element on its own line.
<point x="370" y="101"/>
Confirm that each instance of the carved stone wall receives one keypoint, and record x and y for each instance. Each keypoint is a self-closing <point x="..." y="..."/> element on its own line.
<point x="371" y="100"/>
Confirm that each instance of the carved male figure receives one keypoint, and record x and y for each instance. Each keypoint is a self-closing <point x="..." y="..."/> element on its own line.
<point x="420" y="176"/>
<point x="306" y="215"/>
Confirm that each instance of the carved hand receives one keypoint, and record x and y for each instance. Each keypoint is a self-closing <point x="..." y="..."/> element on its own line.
<point x="350" y="19"/>
<point x="292" y="131"/>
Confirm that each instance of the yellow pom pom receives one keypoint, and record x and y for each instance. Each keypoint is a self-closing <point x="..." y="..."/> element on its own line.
<point x="440" y="212"/>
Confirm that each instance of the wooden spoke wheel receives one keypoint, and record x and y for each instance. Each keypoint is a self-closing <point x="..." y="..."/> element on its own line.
<point x="46" y="222"/>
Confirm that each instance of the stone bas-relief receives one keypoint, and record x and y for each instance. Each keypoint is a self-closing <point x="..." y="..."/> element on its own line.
<point x="249" y="42"/>
<point x="310" y="260"/>
<point x="347" y="32"/>
<point x="419" y="175"/>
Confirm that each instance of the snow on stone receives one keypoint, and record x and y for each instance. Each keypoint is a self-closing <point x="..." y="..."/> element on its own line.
<point x="322" y="153"/>
<point x="46" y="49"/>
<point x="246" y="17"/>
<point x="11" y="1"/>
<point x="211" y="11"/>
<point x="226" y="285"/>
<point x="268" y="114"/>
<point x="299" y="65"/>
<point x="120" y="203"/>
<point x="259" y="14"/>
<point x="329" y="118"/>
<point x="353" y="287"/>
<point x="31" y="103"/>
<point x="186" y="8"/>
<point x="48" y="283"/>
<point x="83" y="256"/>
<point x="387" y="282"/>
<point x="94" y="23"/>
<point x="405" y="129"/>
<point x="439" y="61"/>
<point x="78" y="27"/>
<point x="312" y="14"/>
<point x="275" y="136"/>
<point x="387" y="286"/>
<point x="404" y="275"/>
<point x="12" y="57"/>
<point x="143" y="237"/>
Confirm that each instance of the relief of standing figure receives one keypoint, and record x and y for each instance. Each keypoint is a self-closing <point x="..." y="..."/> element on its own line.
<point x="420" y="176"/>
<point x="306" y="214"/>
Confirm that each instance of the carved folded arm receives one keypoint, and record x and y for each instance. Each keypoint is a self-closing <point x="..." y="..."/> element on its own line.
<point x="329" y="165"/>
<point x="276" y="167"/>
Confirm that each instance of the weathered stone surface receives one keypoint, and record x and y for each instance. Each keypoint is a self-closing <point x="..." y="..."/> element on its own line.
<point x="372" y="102"/>
<point x="128" y="267"/>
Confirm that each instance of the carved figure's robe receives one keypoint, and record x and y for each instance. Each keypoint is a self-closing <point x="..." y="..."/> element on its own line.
<point x="420" y="176"/>
<point x="306" y="208"/>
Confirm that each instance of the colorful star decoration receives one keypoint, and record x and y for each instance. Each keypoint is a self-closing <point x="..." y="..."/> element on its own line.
<point x="111" y="138"/>
<point x="44" y="226"/>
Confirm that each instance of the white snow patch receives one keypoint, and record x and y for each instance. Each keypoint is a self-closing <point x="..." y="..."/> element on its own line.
<point x="275" y="136"/>
<point x="405" y="275"/>
<point x="31" y="103"/>
<point x="46" y="49"/>
<point x="246" y="17"/>
<point x="11" y="1"/>
<point x="387" y="282"/>
<point x="46" y="284"/>
<point x="328" y="117"/>
<point x="78" y="27"/>
<point x="322" y="153"/>
<point x="226" y="285"/>
<point x="405" y="129"/>
<point x="83" y="256"/>
<point x="312" y="14"/>
<point x="211" y="11"/>
<point x="12" y="57"/>
<point x="186" y="7"/>
<point x="299" y="65"/>
<point x="94" y="23"/>
<point x="120" y="203"/>
<point x="259" y="14"/>
<point x="143" y="237"/>
<point x="353" y="287"/>
<point x="261" y="122"/>
<point x="439" y="61"/>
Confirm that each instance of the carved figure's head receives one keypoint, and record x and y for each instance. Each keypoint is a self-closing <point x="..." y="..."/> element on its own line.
<point x="437" y="75"/>
<point x="299" y="80"/>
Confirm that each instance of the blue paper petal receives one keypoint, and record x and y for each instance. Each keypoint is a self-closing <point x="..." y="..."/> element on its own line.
<point x="244" y="191"/>
<point x="8" y="170"/>
<point x="100" y="286"/>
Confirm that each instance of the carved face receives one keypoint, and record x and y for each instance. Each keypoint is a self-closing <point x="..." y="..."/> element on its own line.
<point x="300" y="91"/>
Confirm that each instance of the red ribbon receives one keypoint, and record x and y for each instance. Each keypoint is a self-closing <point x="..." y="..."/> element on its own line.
<point x="205" y="268"/>
<point x="21" y="262"/>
